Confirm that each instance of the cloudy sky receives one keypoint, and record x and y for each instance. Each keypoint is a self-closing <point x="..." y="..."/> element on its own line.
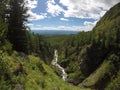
<point x="66" y="14"/>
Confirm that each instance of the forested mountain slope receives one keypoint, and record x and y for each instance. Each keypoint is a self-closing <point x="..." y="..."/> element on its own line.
<point x="93" y="58"/>
<point x="23" y="55"/>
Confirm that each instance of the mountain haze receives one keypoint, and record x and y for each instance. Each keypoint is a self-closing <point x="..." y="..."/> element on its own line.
<point x="54" y="32"/>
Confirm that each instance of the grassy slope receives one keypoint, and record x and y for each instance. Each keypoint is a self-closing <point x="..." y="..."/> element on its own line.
<point x="33" y="74"/>
<point x="115" y="83"/>
<point x="95" y="77"/>
<point x="102" y="77"/>
<point x="109" y="23"/>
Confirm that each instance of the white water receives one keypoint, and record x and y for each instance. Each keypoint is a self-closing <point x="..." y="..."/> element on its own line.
<point x="54" y="62"/>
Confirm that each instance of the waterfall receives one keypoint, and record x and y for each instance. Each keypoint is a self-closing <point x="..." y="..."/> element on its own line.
<point x="54" y="62"/>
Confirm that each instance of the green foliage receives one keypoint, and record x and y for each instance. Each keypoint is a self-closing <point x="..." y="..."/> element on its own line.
<point x="77" y="76"/>
<point x="97" y="75"/>
<point x="4" y="85"/>
<point x="114" y="84"/>
<point x="36" y="75"/>
<point x="17" y="33"/>
<point x="4" y="73"/>
<point x="104" y="73"/>
<point x="3" y="24"/>
<point x="92" y="57"/>
<point x="3" y="28"/>
<point x="6" y="46"/>
<point x="94" y="54"/>
<point x="4" y="65"/>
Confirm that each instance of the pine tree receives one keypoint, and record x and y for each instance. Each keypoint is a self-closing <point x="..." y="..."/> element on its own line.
<point x="3" y="24"/>
<point x="17" y="33"/>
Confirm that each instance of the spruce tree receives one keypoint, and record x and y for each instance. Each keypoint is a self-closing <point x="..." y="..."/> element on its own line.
<point x="17" y="33"/>
<point x="3" y="24"/>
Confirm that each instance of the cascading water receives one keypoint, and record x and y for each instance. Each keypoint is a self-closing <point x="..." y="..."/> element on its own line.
<point x="54" y="62"/>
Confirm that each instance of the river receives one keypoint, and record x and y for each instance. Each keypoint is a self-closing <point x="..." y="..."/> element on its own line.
<point x="55" y="63"/>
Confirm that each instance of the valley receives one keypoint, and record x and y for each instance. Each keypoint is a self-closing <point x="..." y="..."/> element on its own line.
<point x="85" y="60"/>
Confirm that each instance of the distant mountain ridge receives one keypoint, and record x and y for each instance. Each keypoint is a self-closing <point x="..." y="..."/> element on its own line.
<point x="54" y="32"/>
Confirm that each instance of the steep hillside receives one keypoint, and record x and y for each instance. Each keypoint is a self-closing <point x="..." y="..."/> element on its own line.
<point x="22" y="72"/>
<point x="93" y="58"/>
<point x="104" y="75"/>
<point x="90" y="59"/>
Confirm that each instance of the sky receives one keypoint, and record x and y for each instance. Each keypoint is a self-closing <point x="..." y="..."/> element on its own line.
<point x="77" y="15"/>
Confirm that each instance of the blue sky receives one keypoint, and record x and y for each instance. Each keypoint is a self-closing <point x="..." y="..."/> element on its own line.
<point x="66" y="14"/>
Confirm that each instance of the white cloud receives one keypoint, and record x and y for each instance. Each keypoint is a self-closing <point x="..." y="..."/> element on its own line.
<point x="29" y="24"/>
<point x="53" y="8"/>
<point x="81" y="8"/>
<point x="86" y="27"/>
<point x="64" y="19"/>
<point x="87" y="23"/>
<point x="87" y="8"/>
<point x="34" y="16"/>
<point x="31" y="4"/>
<point x="94" y="9"/>
<point x="72" y="28"/>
